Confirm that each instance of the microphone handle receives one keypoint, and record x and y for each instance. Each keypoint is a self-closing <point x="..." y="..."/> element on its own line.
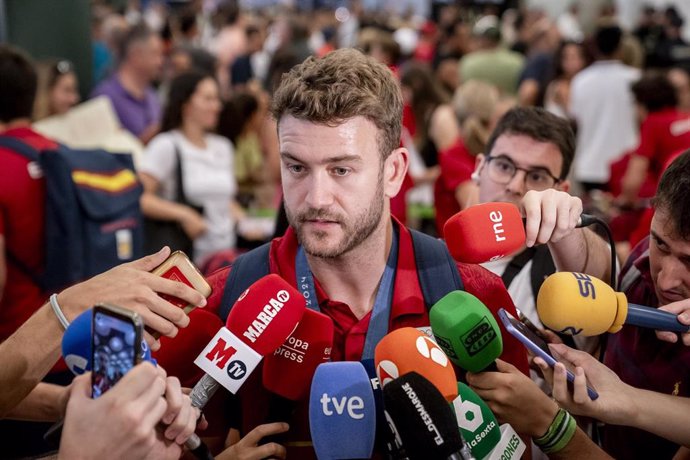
<point x="462" y="454"/>
<point x="585" y="220"/>
<point x="491" y="367"/>
<point x="652" y="318"/>
<point x="203" y="391"/>
<point x="198" y="448"/>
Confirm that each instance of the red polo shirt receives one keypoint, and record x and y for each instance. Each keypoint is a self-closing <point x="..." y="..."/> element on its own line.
<point x="662" y="134"/>
<point x="407" y="309"/>
<point x="22" y="204"/>
<point x="457" y="164"/>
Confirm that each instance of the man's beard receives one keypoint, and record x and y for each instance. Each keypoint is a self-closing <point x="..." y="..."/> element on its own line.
<point x="358" y="229"/>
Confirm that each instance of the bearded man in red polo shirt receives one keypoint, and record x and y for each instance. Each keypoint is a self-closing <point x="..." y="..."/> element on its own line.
<point x="339" y="122"/>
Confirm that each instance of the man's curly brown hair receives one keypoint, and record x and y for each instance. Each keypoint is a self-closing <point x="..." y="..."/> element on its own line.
<point x="339" y="86"/>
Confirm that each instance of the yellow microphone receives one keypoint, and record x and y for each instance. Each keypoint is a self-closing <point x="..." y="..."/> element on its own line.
<point x="578" y="304"/>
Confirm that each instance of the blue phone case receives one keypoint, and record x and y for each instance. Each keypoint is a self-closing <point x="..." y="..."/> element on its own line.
<point x="520" y="332"/>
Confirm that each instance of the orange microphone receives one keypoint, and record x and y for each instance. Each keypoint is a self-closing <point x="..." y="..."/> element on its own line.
<point x="409" y="350"/>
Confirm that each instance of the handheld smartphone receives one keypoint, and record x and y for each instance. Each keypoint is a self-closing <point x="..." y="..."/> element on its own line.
<point x="525" y="320"/>
<point x="115" y="345"/>
<point x="535" y="344"/>
<point x="178" y="267"/>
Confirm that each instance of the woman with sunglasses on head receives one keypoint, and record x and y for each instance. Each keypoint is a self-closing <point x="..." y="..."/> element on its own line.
<point x="58" y="89"/>
<point x="186" y="154"/>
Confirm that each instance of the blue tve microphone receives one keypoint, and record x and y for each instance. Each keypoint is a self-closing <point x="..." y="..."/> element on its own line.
<point x="76" y="345"/>
<point x="342" y="412"/>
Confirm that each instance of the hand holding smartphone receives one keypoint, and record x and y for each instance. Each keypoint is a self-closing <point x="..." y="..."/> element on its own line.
<point x="115" y="345"/>
<point x="536" y="345"/>
<point x="178" y="267"/>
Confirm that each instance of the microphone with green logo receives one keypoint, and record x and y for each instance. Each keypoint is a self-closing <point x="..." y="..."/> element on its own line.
<point x="480" y="429"/>
<point x="466" y="331"/>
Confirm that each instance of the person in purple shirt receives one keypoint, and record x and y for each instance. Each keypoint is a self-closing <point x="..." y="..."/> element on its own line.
<point x="129" y="89"/>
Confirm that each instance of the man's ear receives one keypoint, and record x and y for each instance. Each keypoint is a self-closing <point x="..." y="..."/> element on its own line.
<point x="563" y="186"/>
<point x="394" y="171"/>
<point x="478" y="165"/>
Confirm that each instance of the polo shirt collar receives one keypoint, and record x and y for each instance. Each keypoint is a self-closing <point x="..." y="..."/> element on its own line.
<point x="407" y="294"/>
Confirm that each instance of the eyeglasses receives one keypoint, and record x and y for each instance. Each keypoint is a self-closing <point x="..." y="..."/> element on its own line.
<point x="502" y="170"/>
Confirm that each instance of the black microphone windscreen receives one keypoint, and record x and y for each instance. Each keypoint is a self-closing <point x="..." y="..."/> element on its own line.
<point x="421" y="418"/>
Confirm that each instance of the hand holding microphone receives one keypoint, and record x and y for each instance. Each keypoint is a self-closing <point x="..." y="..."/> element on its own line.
<point x="106" y="422"/>
<point x="575" y="303"/>
<point x="491" y="231"/>
<point x="682" y="309"/>
<point x="484" y="232"/>
<point x="515" y="399"/>
<point x="179" y="420"/>
<point x="550" y="215"/>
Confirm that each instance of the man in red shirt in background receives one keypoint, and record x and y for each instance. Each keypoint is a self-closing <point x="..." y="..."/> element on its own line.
<point x="22" y="204"/>
<point x="339" y="122"/>
<point x="665" y="131"/>
<point x="21" y="197"/>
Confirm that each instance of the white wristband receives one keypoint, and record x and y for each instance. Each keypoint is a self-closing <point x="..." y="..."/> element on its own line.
<point x="58" y="312"/>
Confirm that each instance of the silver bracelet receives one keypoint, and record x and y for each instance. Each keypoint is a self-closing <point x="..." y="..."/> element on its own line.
<point x="58" y="311"/>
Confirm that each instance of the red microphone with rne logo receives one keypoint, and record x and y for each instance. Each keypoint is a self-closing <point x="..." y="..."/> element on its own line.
<point x="484" y="232"/>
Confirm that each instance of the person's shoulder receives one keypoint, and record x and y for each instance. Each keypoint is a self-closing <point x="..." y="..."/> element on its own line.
<point x="476" y="277"/>
<point x="220" y="141"/>
<point x="217" y="280"/>
<point x="31" y="138"/>
<point x="166" y="138"/>
<point x="513" y="56"/>
<point x="105" y="87"/>
<point x="161" y="144"/>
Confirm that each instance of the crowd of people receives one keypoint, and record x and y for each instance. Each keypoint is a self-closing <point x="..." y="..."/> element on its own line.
<point x="350" y="132"/>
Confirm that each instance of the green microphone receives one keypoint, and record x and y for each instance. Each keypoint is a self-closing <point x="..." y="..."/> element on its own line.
<point x="477" y="423"/>
<point x="466" y="331"/>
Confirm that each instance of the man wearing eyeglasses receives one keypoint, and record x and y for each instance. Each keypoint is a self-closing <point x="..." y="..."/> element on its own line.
<point x="528" y="158"/>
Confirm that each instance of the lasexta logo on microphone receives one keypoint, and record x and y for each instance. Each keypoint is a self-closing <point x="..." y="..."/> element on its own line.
<point x="469" y="414"/>
<point x="478" y="337"/>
